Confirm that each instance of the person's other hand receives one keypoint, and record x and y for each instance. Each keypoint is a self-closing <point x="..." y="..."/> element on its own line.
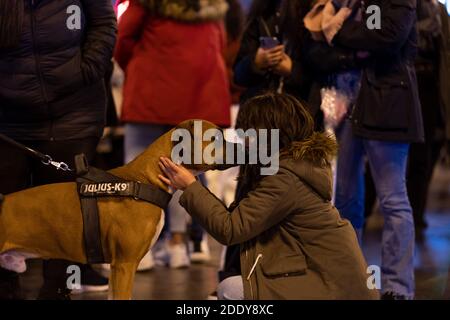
<point x="176" y="176"/>
<point x="284" y="68"/>
<point x="265" y="59"/>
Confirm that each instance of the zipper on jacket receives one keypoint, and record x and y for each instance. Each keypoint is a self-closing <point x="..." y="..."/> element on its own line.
<point x="258" y="257"/>
<point x="36" y="55"/>
<point x="249" y="281"/>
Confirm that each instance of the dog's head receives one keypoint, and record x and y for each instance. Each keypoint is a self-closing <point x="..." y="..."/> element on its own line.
<point x="200" y="145"/>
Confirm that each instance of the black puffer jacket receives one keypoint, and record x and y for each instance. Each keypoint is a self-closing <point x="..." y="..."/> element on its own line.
<point x="51" y="84"/>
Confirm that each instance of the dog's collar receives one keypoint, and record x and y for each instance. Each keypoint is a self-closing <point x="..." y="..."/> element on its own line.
<point x="121" y="188"/>
<point x="93" y="182"/>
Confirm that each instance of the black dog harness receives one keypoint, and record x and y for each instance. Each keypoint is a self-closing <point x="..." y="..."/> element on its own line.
<point x="93" y="183"/>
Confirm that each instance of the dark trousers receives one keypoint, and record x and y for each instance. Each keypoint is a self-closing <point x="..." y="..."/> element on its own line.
<point x="18" y="171"/>
<point x="422" y="160"/>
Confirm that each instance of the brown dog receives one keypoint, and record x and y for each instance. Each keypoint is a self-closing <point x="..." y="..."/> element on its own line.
<point x="46" y="221"/>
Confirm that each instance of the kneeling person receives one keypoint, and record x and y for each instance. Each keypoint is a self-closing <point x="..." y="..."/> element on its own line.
<point x="294" y="244"/>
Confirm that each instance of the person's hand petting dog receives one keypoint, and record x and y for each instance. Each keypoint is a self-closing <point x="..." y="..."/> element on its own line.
<point x="176" y="176"/>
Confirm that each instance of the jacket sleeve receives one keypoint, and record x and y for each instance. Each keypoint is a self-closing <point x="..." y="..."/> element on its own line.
<point x="263" y="208"/>
<point x="244" y="71"/>
<point x="130" y="28"/>
<point x="100" y="38"/>
<point x="397" y="19"/>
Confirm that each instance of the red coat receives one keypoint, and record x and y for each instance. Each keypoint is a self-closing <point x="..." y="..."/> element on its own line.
<point x="173" y="70"/>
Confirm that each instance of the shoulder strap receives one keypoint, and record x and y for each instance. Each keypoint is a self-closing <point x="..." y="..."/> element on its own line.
<point x="264" y="25"/>
<point x="91" y="231"/>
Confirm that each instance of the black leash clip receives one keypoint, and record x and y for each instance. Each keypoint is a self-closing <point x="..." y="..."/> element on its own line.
<point x="58" y="165"/>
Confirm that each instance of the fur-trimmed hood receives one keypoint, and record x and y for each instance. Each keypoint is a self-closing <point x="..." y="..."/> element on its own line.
<point x="310" y="160"/>
<point x="182" y="10"/>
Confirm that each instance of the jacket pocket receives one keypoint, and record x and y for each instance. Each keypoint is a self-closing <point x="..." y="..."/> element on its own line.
<point x="66" y="78"/>
<point x="284" y="266"/>
<point x="385" y="102"/>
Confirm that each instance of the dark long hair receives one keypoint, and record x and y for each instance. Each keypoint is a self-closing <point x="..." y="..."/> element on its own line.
<point x="11" y="20"/>
<point x="273" y="111"/>
<point x="292" y="14"/>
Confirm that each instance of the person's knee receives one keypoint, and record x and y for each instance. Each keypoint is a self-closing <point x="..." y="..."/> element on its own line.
<point x="395" y="202"/>
<point x="231" y="288"/>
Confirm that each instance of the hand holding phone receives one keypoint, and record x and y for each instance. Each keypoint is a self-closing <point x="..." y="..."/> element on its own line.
<point x="269" y="54"/>
<point x="268" y="43"/>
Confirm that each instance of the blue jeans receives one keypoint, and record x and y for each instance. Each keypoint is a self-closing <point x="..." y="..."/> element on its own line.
<point x="387" y="161"/>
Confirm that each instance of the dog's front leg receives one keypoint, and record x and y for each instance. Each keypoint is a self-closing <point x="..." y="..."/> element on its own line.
<point x="121" y="280"/>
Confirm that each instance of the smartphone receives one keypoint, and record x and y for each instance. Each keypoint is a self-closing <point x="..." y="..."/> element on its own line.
<point x="268" y="42"/>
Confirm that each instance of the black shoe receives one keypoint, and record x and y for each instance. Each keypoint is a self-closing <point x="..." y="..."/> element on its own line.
<point x="92" y="281"/>
<point x="9" y="285"/>
<point x="392" y="296"/>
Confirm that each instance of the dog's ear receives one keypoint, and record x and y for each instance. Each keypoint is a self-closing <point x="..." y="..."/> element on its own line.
<point x="188" y="125"/>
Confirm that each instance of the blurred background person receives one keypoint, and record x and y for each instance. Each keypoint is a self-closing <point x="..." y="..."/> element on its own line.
<point x="171" y="53"/>
<point x="433" y="77"/>
<point x="386" y="118"/>
<point x="271" y="57"/>
<point x="53" y="99"/>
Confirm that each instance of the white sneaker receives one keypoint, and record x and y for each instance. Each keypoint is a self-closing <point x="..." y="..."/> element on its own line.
<point x="212" y="296"/>
<point x="174" y="256"/>
<point x="203" y="255"/>
<point x="178" y="256"/>
<point x="161" y="256"/>
<point x="147" y="263"/>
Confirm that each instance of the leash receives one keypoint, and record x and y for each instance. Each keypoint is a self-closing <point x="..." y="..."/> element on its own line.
<point x="44" y="158"/>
